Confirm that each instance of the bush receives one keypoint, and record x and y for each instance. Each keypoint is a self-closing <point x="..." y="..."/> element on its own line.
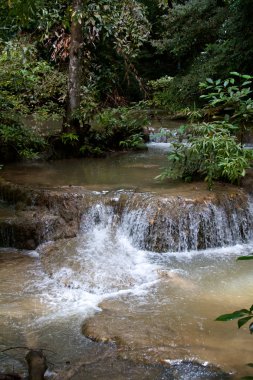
<point x="211" y="153"/>
<point x="21" y="141"/>
<point x="115" y="128"/>
<point x="28" y="85"/>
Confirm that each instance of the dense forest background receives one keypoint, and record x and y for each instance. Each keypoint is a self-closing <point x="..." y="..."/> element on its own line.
<point x="91" y="66"/>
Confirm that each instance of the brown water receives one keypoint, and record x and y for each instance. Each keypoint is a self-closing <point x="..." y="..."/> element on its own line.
<point x="157" y="307"/>
<point x="117" y="171"/>
<point x="134" y="171"/>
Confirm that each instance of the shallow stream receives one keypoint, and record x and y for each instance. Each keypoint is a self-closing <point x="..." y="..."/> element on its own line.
<point x="157" y="307"/>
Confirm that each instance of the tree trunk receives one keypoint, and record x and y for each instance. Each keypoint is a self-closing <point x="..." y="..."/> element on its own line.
<point x="75" y="67"/>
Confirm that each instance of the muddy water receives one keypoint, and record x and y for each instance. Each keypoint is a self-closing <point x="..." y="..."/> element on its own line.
<point x="119" y="171"/>
<point x="134" y="171"/>
<point x="156" y="307"/>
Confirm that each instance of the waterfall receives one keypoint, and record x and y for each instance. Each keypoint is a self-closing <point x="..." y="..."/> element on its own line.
<point x="176" y="224"/>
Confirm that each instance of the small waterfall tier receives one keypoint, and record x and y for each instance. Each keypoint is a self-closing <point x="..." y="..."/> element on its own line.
<point x="175" y="223"/>
<point x="194" y="219"/>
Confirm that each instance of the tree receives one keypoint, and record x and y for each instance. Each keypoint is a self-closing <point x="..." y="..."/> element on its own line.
<point x="75" y="64"/>
<point x="88" y="23"/>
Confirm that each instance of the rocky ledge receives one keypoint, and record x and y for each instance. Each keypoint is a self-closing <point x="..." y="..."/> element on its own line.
<point x="153" y="222"/>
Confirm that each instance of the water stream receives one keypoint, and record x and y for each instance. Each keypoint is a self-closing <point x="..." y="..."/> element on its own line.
<point x="110" y="285"/>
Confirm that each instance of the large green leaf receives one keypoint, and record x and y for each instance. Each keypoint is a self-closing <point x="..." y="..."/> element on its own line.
<point x="242" y="321"/>
<point x="236" y="314"/>
<point x="245" y="257"/>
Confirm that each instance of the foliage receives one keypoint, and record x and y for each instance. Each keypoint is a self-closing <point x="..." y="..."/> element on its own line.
<point x="243" y="316"/>
<point x="193" y="115"/>
<point x="132" y="142"/>
<point x="69" y="138"/>
<point x="118" y="127"/>
<point x="211" y="152"/>
<point x="236" y="39"/>
<point x="28" y="85"/>
<point x="181" y="91"/>
<point x="190" y="40"/>
<point x="160" y="84"/>
<point x="189" y="27"/>
<point x="161" y="92"/>
<point x="122" y="26"/>
<point x="205" y="39"/>
<point x="88" y="150"/>
<point x="22" y="80"/>
<point x="26" y="143"/>
<point x="230" y="99"/>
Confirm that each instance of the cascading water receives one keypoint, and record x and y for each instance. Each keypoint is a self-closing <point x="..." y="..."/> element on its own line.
<point x="148" y="270"/>
<point x="100" y="263"/>
<point x="114" y="252"/>
<point x="176" y="224"/>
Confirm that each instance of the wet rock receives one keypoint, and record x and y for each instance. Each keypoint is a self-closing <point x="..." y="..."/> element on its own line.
<point x="37" y="364"/>
<point x="247" y="181"/>
<point x="41" y="214"/>
<point x="193" y="221"/>
<point x="192" y="370"/>
<point x="146" y="341"/>
<point x="141" y="337"/>
<point x="179" y="223"/>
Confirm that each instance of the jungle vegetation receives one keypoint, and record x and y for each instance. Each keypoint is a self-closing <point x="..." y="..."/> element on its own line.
<point x="94" y="68"/>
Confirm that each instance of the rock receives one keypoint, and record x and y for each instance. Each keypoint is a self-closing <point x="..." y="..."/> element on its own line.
<point x="37" y="364"/>
<point x="41" y="214"/>
<point x="192" y="220"/>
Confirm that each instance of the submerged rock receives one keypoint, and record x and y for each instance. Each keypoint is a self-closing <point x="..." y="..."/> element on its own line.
<point x="113" y="368"/>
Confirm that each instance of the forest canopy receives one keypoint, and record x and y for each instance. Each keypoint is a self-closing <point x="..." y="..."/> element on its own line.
<point x="69" y="60"/>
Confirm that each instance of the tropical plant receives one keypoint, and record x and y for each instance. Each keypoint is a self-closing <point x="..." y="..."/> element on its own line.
<point x="29" y="85"/>
<point x="230" y="99"/>
<point x="69" y="138"/>
<point x="24" y="142"/>
<point x="243" y="316"/>
<point x="211" y="152"/>
<point x="118" y="127"/>
<point x="133" y="142"/>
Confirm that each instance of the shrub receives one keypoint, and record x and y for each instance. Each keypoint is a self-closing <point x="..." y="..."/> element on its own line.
<point x="211" y="153"/>
<point x="118" y="127"/>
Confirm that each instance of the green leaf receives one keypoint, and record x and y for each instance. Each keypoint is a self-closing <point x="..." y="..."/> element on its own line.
<point x="245" y="258"/>
<point x="234" y="315"/>
<point x="244" y="320"/>
<point x="209" y="80"/>
<point x="246" y="76"/>
<point x="235" y="73"/>
<point x="247" y="82"/>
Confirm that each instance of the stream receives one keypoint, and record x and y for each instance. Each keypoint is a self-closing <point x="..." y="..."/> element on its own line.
<point x="155" y="311"/>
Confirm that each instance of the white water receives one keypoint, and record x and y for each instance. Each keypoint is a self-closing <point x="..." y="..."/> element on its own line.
<point x="55" y="292"/>
<point x="101" y="263"/>
<point x="104" y="262"/>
